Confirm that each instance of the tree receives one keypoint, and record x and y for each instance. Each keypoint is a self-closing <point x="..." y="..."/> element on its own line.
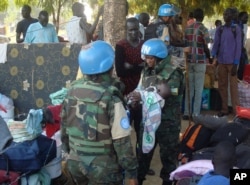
<point x="3" y="5"/>
<point x="54" y="7"/>
<point x="211" y="7"/>
<point x="114" y="20"/>
<point x="152" y="7"/>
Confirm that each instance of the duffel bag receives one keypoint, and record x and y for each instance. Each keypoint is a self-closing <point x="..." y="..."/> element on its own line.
<point x="29" y="156"/>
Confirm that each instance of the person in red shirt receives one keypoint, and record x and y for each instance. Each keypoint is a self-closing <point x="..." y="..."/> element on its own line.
<point x="128" y="62"/>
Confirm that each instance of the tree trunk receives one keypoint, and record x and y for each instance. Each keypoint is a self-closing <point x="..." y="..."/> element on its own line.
<point x="114" y="20"/>
<point x="184" y="14"/>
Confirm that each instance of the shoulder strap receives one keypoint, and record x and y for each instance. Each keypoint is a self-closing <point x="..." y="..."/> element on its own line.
<point x="221" y="30"/>
<point x="233" y="28"/>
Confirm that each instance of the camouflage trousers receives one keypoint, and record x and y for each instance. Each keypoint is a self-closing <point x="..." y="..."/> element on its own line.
<point x="168" y="140"/>
<point x="101" y="171"/>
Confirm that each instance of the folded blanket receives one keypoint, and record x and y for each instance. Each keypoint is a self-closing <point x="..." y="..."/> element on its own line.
<point x="199" y="167"/>
<point x="58" y="97"/>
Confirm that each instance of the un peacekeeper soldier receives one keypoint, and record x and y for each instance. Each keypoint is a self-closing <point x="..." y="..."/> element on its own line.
<point x="159" y="67"/>
<point x="95" y="124"/>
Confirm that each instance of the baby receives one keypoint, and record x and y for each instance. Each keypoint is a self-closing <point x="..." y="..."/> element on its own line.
<point x="162" y="89"/>
<point x="152" y="100"/>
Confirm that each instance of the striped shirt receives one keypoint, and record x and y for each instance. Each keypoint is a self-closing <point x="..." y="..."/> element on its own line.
<point x="196" y="35"/>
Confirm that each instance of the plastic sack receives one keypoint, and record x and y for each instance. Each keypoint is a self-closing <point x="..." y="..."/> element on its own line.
<point x="244" y="94"/>
<point x="7" y="108"/>
<point x="243" y="112"/>
<point x="6" y="102"/>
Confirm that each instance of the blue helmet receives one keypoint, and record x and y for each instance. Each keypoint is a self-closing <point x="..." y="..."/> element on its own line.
<point x="167" y="10"/>
<point x="154" y="47"/>
<point x="96" y="57"/>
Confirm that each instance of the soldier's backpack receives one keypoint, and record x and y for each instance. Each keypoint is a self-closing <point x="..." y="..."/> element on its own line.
<point x="150" y="31"/>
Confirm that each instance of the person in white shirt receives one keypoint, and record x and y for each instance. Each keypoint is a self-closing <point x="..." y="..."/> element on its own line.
<point x="78" y="29"/>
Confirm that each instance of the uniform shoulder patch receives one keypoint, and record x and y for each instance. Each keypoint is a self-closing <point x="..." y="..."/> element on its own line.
<point x="125" y="123"/>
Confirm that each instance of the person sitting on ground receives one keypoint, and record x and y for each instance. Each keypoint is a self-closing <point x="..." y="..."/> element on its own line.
<point x="223" y="160"/>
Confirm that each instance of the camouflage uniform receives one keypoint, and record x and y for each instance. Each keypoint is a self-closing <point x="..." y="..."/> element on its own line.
<point x="167" y="135"/>
<point x="96" y="133"/>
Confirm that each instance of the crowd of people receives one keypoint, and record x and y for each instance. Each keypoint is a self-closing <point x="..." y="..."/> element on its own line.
<point x="146" y="92"/>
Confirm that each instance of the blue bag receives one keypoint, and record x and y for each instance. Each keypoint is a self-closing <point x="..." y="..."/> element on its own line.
<point x="29" y="156"/>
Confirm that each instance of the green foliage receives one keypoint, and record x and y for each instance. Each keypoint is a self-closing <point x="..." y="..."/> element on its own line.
<point x="93" y="3"/>
<point x="135" y="6"/>
<point x="11" y="14"/>
<point x="20" y="3"/>
<point x="3" y="5"/>
<point x="148" y="6"/>
<point x="62" y="8"/>
<point x="185" y="5"/>
<point x="55" y="5"/>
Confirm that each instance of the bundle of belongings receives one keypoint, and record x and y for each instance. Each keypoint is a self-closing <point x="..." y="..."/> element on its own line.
<point x="200" y="139"/>
<point x="30" y="154"/>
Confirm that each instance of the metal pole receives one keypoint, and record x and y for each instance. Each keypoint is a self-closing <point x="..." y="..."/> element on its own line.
<point x="187" y="88"/>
